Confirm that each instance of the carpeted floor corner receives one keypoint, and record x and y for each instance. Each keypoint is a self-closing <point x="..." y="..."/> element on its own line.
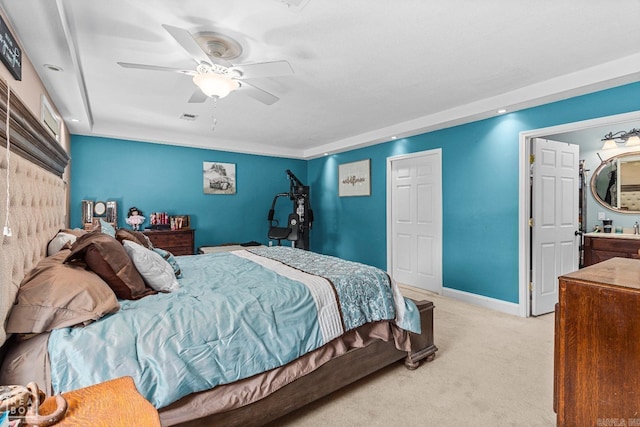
<point x="491" y="369"/>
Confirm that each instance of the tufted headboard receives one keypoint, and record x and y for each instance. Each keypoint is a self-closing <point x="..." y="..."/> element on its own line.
<point x="630" y="200"/>
<point x="32" y="171"/>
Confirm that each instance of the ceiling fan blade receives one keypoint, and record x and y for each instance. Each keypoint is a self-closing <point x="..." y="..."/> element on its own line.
<point x="257" y="93"/>
<point x="198" y="96"/>
<point x="188" y="43"/>
<point x="264" y="69"/>
<point x="156" y="68"/>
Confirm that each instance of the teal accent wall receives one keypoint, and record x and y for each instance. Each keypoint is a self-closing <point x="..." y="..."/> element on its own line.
<point x="480" y="173"/>
<point x="158" y="177"/>
<point x="480" y="190"/>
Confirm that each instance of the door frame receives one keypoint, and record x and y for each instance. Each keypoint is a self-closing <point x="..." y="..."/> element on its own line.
<point x="390" y="160"/>
<point x="524" y="199"/>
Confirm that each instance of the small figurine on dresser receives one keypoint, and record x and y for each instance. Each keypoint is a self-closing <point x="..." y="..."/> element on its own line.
<point x="134" y="218"/>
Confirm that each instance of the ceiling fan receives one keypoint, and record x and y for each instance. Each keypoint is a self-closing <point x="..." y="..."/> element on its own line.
<point x="214" y="75"/>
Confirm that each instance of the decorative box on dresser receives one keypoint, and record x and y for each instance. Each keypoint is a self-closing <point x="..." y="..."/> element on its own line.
<point x="178" y="242"/>
<point x="603" y="246"/>
<point x="597" y="345"/>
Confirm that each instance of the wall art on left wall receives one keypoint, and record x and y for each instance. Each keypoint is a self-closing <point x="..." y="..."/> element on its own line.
<point x="354" y="179"/>
<point x="218" y="178"/>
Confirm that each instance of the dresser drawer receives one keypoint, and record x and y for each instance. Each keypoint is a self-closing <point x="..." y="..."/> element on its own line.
<point x="178" y="242"/>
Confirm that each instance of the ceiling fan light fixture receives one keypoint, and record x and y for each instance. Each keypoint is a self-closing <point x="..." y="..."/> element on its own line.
<point x="215" y="85"/>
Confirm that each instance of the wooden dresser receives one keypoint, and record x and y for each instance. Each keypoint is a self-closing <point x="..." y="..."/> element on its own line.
<point x="599" y="247"/>
<point x="597" y="345"/>
<point x="178" y="242"/>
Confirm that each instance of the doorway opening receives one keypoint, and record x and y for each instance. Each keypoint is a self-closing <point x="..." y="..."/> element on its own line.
<point x="525" y="205"/>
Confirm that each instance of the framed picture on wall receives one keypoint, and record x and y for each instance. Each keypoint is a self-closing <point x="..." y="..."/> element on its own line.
<point x="10" y="54"/>
<point x="218" y="178"/>
<point x="354" y="179"/>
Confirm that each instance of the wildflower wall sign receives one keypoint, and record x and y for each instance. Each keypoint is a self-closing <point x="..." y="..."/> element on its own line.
<point x="354" y="179"/>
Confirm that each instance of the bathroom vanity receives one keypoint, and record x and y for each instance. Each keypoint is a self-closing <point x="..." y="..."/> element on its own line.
<point x="600" y="247"/>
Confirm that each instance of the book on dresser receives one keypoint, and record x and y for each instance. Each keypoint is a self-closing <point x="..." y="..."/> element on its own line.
<point x="178" y="242"/>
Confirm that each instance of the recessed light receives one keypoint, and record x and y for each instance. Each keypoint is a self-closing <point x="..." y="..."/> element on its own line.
<point x="52" y="67"/>
<point x="325" y="154"/>
<point x="502" y="111"/>
<point x="394" y="137"/>
<point x="74" y="120"/>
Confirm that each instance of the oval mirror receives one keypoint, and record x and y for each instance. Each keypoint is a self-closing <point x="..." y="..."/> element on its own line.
<point x="616" y="183"/>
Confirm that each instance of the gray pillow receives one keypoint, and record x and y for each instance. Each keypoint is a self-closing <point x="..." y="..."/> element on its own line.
<point x="156" y="272"/>
<point x="61" y="240"/>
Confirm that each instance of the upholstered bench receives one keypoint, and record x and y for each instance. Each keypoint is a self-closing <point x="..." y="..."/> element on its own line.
<point x="109" y="404"/>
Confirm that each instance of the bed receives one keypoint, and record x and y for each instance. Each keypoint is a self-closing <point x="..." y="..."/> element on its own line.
<point x="329" y="329"/>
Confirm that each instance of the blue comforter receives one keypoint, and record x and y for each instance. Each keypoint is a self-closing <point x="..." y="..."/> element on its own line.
<point x="235" y="315"/>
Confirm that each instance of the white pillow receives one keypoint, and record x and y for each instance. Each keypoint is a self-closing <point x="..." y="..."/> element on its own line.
<point x="156" y="272"/>
<point x="58" y="242"/>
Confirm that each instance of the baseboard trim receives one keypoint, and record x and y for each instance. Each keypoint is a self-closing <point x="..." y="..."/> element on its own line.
<point x="482" y="301"/>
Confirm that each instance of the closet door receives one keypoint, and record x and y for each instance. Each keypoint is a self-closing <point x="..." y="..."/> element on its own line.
<point x="415" y="219"/>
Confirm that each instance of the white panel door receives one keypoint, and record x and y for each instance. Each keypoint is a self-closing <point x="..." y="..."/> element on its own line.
<point x="555" y="246"/>
<point x="416" y="220"/>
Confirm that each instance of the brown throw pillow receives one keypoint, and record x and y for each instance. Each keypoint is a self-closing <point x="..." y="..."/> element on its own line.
<point x="55" y="295"/>
<point x="107" y="258"/>
<point x="135" y="236"/>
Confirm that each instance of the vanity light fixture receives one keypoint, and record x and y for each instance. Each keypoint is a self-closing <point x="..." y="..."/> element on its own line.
<point x="634" y="138"/>
<point x="629" y="139"/>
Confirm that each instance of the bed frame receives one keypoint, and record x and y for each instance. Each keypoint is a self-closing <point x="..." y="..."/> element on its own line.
<point x="39" y="167"/>
<point x="332" y="376"/>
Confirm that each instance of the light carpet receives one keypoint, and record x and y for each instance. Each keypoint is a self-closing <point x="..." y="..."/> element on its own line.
<point x="491" y="369"/>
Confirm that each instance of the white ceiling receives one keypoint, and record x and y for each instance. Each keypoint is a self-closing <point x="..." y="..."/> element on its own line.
<point x="365" y="70"/>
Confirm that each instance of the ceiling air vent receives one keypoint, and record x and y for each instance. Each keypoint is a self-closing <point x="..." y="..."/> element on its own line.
<point x="187" y="116"/>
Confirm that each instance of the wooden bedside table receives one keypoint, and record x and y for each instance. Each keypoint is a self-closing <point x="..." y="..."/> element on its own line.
<point x="109" y="404"/>
<point x="178" y="242"/>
